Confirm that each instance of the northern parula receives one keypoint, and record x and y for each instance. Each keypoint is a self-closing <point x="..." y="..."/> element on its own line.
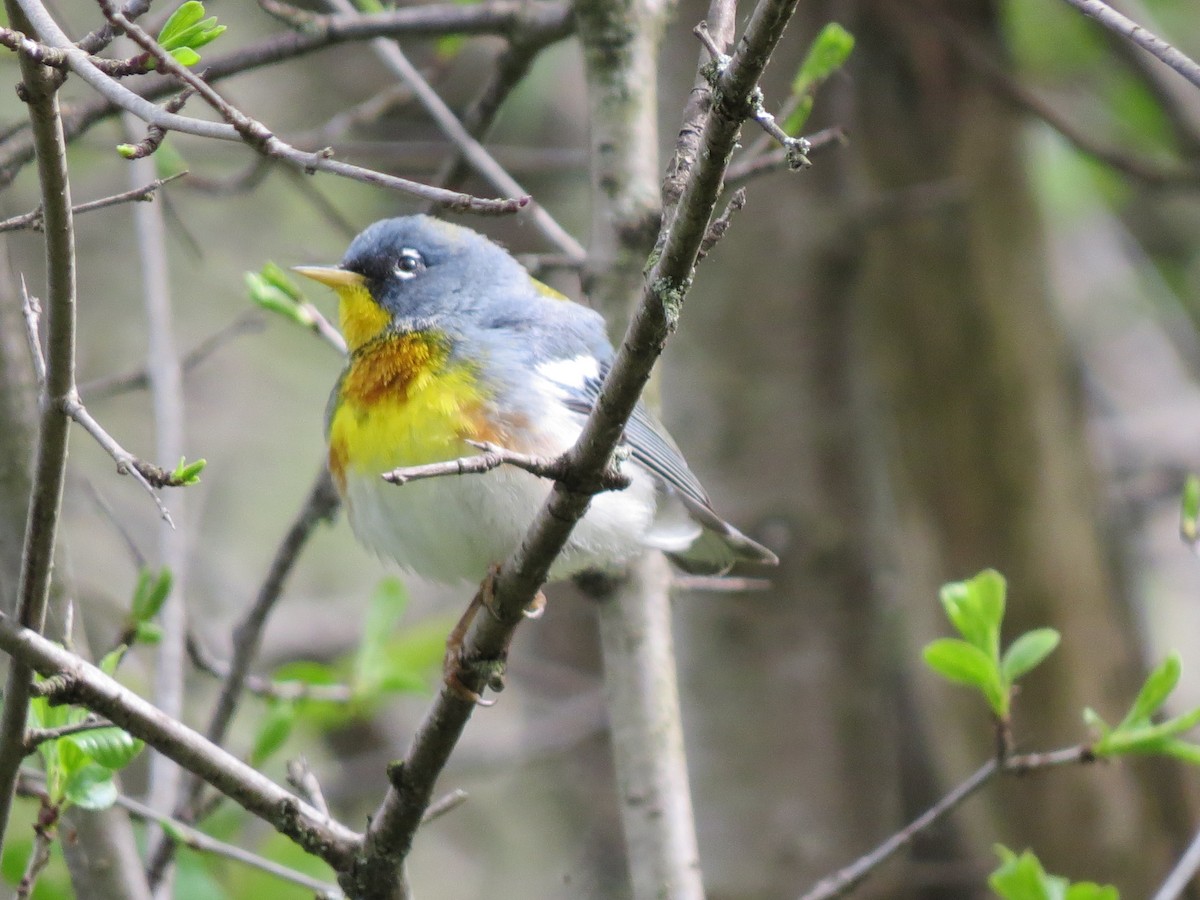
<point x="451" y="340"/>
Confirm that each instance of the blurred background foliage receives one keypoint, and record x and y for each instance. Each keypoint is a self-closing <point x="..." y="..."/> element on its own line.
<point x="957" y="342"/>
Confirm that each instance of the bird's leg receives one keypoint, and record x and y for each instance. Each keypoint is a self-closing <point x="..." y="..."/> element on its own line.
<point x="487" y="591"/>
<point x="455" y="661"/>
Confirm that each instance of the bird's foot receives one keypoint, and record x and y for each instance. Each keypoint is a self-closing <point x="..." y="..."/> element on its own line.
<point x="456" y="664"/>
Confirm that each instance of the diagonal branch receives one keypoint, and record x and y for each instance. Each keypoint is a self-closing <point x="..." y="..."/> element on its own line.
<point x="1147" y="40"/>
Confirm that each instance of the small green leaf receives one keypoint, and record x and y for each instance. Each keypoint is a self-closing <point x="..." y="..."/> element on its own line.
<point x="276" y="277"/>
<point x="827" y="53"/>
<point x="147" y="633"/>
<point x="274" y="299"/>
<point x="113" y="748"/>
<point x="185" y="56"/>
<point x="372" y="664"/>
<point x="1023" y="878"/>
<point x="976" y="607"/>
<point x="1189" y="510"/>
<point x="187" y="473"/>
<point x="273" y="732"/>
<point x="150" y="593"/>
<point x="1158" y="686"/>
<point x="127" y="151"/>
<point x="966" y="664"/>
<point x="1027" y="652"/>
<point x="1092" y="719"/>
<point x="187" y="15"/>
<point x="91" y="787"/>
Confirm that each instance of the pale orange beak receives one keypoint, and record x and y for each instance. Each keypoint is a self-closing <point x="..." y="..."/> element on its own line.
<point x="331" y="276"/>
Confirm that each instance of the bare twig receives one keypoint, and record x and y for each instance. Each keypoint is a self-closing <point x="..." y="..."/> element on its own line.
<point x="1181" y="876"/>
<point x="146" y="474"/>
<point x="33" y="218"/>
<point x="37" y="736"/>
<point x="751" y="166"/>
<point x="70" y="679"/>
<point x="720" y="224"/>
<point x="443" y="805"/>
<point x="44" y="831"/>
<point x="32" y="311"/>
<point x="1148" y="41"/>
<point x="472" y="151"/>
<point x="841" y="882"/>
<point x="123" y="382"/>
<point x="300" y="776"/>
<point x="238" y="126"/>
<point x="264" y="687"/>
<point x="494" y="456"/>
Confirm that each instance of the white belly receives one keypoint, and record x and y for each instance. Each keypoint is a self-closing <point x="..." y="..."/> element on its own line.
<point x="451" y="529"/>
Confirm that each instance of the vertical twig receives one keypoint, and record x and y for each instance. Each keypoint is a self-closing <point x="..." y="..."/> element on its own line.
<point x="41" y="530"/>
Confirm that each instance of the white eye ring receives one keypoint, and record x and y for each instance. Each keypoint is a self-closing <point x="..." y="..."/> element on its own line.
<point x="411" y="262"/>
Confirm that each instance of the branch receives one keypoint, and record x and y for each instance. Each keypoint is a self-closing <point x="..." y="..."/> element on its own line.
<point x="1181" y="876"/>
<point x="494" y="456"/>
<point x="41" y="530"/>
<point x="376" y="869"/>
<point x="1132" y="31"/>
<point x="841" y="882"/>
<point x="33" y="218"/>
<point x="238" y="126"/>
<point x="472" y="151"/>
<point x="36" y="736"/>
<point x="288" y="691"/>
<point x="73" y="680"/>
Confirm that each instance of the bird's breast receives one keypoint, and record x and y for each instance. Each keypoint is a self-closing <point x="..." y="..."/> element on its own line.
<point x="403" y="402"/>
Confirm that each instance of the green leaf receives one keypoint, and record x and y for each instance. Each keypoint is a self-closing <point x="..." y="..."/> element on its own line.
<point x="127" y="151"/>
<point x="1158" y="686"/>
<point x="112" y="660"/>
<point x="1092" y="719"/>
<point x="91" y="787"/>
<point x="114" y="748"/>
<point x="150" y="593"/>
<point x="187" y="473"/>
<point x="147" y="633"/>
<point x="275" y="299"/>
<point x="1189" y="510"/>
<point x="305" y="671"/>
<point x="278" y="278"/>
<point x="372" y="664"/>
<point x="185" y="56"/>
<point x="187" y="15"/>
<point x="966" y="664"/>
<point x="1023" y="878"/>
<point x="273" y="732"/>
<point x="976" y="607"/>
<point x="827" y="53"/>
<point x="1027" y="652"/>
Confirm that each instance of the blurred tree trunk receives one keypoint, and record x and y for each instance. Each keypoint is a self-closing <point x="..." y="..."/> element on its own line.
<point x="896" y="403"/>
<point x="978" y="416"/>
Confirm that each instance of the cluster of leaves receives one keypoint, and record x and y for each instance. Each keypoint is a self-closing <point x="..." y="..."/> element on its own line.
<point x="1023" y="878"/>
<point x="273" y="290"/>
<point x="1137" y="733"/>
<point x="387" y="661"/>
<point x="80" y="767"/>
<point x="186" y="31"/>
<point x="976" y="609"/>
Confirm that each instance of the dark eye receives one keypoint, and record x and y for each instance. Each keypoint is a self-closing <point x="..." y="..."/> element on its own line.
<point x="409" y="264"/>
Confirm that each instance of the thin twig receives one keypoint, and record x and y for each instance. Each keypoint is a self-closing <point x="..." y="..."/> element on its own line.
<point x="124" y="382"/>
<point x="288" y="691"/>
<point x="841" y="882"/>
<point x="70" y="679"/>
<point x="1181" y="876"/>
<point x="238" y="126"/>
<point x="719" y="225"/>
<point x="33" y="219"/>
<point x="44" y="831"/>
<point x="744" y="169"/>
<point x="472" y="151"/>
<point x="146" y="474"/>
<point x="1148" y="41"/>
<point x="36" y="736"/>
<point x="32" y="311"/>
<point x="443" y="805"/>
<point x="301" y="777"/>
<point x="492" y="457"/>
<point x="33" y="784"/>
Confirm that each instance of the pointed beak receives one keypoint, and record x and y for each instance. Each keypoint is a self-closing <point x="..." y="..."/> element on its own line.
<point x="331" y="276"/>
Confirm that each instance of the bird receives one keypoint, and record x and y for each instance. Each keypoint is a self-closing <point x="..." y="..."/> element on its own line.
<point x="452" y="343"/>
